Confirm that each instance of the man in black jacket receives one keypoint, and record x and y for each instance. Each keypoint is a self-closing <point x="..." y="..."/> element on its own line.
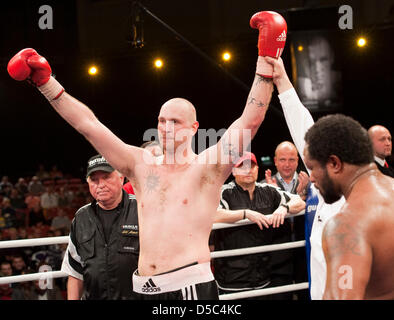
<point x="251" y="271"/>
<point x="103" y="248"/>
<point x="382" y="146"/>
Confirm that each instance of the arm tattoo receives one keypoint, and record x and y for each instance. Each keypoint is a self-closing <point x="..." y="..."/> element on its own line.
<point x="260" y="79"/>
<point x="256" y="102"/>
<point x="230" y="150"/>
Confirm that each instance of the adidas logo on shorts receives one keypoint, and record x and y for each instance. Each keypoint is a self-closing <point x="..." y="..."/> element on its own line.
<point x="282" y="36"/>
<point x="150" y="287"/>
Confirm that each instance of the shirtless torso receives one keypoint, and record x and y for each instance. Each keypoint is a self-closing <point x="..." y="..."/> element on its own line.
<point x="359" y="241"/>
<point x="175" y="207"/>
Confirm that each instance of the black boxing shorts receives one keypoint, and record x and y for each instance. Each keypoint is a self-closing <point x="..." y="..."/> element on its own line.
<point x="191" y="282"/>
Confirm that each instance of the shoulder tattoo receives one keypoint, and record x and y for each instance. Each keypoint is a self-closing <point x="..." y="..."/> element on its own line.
<point x="341" y="237"/>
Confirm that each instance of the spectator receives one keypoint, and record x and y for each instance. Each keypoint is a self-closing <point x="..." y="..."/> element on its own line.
<point x="26" y="286"/>
<point x="21" y="186"/>
<point x="382" y="147"/>
<point x="17" y="199"/>
<point x="7" y="292"/>
<point x="61" y="221"/>
<point x="18" y="265"/>
<point x="41" y="173"/>
<point x="29" y="251"/>
<point x="49" y="199"/>
<point x="35" y="186"/>
<point x="22" y="233"/>
<point x="9" y="214"/>
<point x="36" y="216"/>
<point x="8" y="253"/>
<point x="40" y="230"/>
<point x="65" y="197"/>
<point x="40" y="256"/>
<point x="250" y="271"/>
<point x="17" y="202"/>
<point x="32" y="201"/>
<point x="24" y="252"/>
<point x="286" y="177"/>
<point x="5" y="186"/>
<point x="6" y="269"/>
<point x="42" y="291"/>
<point x="55" y="252"/>
<point x="293" y="229"/>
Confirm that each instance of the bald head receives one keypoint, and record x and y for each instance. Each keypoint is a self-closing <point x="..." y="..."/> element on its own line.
<point x="180" y="107"/>
<point x="286" y="159"/>
<point x="286" y="146"/>
<point x="177" y="125"/>
<point x="376" y="130"/>
<point x="381" y="141"/>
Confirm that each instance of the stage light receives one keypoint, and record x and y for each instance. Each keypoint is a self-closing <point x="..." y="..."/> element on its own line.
<point x="158" y="63"/>
<point x="93" y="70"/>
<point x="226" y="56"/>
<point x="300" y="48"/>
<point x="361" y="42"/>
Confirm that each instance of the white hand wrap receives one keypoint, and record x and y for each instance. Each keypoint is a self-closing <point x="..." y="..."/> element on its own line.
<point x="52" y="89"/>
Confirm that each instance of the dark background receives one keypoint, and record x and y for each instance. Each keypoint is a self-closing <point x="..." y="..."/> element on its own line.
<point x="128" y="92"/>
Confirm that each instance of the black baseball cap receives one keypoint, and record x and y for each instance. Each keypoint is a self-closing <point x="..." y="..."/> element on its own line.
<point x="98" y="163"/>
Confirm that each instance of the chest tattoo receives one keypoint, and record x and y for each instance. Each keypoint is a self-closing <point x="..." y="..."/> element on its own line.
<point x="152" y="182"/>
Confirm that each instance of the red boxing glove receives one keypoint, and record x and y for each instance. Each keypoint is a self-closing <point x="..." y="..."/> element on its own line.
<point x="272" y="38"/>
<point x="27" y="64"/>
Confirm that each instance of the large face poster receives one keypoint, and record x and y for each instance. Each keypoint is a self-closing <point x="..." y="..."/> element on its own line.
<point x="316" y="75"/>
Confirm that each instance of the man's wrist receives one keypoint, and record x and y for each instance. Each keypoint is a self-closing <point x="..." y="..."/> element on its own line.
<point x="264" y="69"/>
<point x="285" y="206"/>
<point x="52" y="90"/>
<point x="283" y="84"/>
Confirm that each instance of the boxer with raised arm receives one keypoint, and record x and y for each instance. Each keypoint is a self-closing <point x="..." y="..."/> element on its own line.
<point x="177" y="197"/>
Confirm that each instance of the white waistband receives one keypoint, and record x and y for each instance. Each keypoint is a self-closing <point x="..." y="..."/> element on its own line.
<point x="173" y="281"/>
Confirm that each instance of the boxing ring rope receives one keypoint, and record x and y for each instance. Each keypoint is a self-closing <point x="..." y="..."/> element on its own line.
<point x="259" y="249"/>
<point x="214" y="254"/>
<point x="33" y="277"/>
<point x="33" y="242"/>
<point x="264" y="292"/>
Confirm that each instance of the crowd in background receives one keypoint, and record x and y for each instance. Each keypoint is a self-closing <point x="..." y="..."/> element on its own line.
<point x="35" y="207"/>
